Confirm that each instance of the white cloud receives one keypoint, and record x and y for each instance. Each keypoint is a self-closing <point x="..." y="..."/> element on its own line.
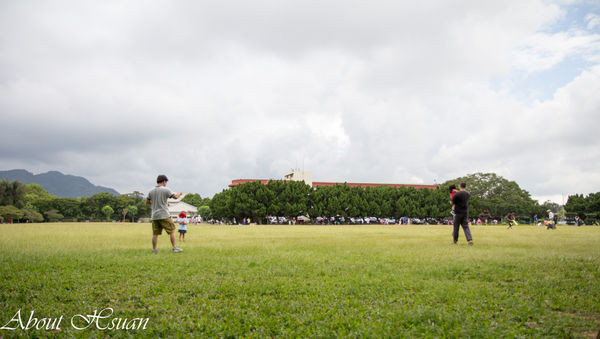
<point x="593" y="21"/>
<point x="209" y="92"/>
<point x="543" y="51"/>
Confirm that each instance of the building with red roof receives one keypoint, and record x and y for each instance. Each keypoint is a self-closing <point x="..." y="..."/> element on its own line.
<point x="296" y="175"/>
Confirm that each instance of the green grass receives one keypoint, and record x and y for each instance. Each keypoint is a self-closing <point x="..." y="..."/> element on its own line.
<point x="306" y="281"/>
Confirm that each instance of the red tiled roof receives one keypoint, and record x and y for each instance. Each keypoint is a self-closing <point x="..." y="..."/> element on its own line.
<point x="364" y="184"/>
<point x="323" y="183"/>
<point x="243" y="181"/>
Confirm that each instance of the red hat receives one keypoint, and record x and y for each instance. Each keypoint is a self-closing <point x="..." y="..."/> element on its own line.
<point x="182" y="215"/>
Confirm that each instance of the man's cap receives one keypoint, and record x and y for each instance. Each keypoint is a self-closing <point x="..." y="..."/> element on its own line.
<point x="182" y="215"/>
<point x="161" y="178"/>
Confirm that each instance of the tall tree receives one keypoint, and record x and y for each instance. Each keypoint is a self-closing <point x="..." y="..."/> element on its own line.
<point x="497" y="195"/>
<point x="32" y="216"/>
<point x="132" y="211"/>
<point x="220" y="205"/>
<point x="246" y="203"/>
<point x="204" y="212"/>
<point x="36" y="190"/>
<point x="295" y="198"/>
<point x="193" y="199"/>
<point x="10" y="213"/>
<point x="70" y="208"/>
<point x="12" y="193"/>
<point x="107" y="211"/>
<point x="584" y="206"/>
<point x="53" y="215"/>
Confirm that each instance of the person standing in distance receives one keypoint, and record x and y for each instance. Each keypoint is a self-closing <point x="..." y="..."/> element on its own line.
<point x="551" y="220"/>
<point x="160" y="212"/>
<point x="461" y="208"/>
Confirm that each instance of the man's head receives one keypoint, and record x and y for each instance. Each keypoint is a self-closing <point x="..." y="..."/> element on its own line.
<point x="162" y="179"/>
<point x="463" y="185"/>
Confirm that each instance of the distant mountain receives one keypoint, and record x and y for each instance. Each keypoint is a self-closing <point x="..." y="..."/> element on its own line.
<point x="56" y="183"/>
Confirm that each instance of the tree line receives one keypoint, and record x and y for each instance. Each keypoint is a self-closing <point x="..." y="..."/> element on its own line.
<point x="292" y="199"/>
<point x="30" y="202"/>
<point x="585" y="207"/>
<point x="492" y="197"/>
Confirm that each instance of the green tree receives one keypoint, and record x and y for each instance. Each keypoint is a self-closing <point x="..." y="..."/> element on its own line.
<point x="552" y="206"/>
<point x="12" y="193"/>
<point x="295" y="198"/>
<point x="497" y="195"/>
<point x="435" y="202"/>
<point x="107" y="211"/>
<point x="92" y="206"/>
<point x="132" y="211"/>
<point x="374" y="201"/>
<point x="220" y="205"/>
<point x="10" y="213"/>
<point x="586" y="207"/>
<point x="274" y="190"/>
<point x="245" y="202"/>
<point x="318" y="201"/>
<point x="70" y="208"/>
<point x="593" y="203"/>
<point x="42" y="204"/>
<point x="195" y="199"/>
<point x="136" y="199"/>
<point x="53" y="215"/>
<point x="32" y="215"/>
<point x="35" y="198"/>
<point x="36" y="190"/>
<point x="204" y="212"/>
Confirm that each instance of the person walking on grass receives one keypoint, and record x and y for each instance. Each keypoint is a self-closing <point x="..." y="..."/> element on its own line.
<point x="182" y="221"/>
<point x="510" y="220"/>
<point x="460" y="200"/>
<point x="160" y="212"/>
<point x="551" y="222"/>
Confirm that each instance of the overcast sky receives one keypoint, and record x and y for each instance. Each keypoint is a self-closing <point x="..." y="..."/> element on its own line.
<point x="357" y="91"/>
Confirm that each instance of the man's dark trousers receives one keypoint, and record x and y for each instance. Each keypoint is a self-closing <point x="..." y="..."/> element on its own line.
<point x="462" y="219"/>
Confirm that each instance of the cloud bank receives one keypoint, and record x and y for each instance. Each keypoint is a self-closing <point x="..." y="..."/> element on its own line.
<point x="381" y="92"/>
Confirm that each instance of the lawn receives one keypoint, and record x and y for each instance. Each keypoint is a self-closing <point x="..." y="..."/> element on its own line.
<point x="300" y="281"/>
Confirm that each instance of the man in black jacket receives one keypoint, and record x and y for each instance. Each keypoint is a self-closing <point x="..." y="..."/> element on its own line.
<point x="461" y="203"/>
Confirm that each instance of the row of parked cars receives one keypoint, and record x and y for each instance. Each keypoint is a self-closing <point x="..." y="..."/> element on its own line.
<point x="339" y="220"/>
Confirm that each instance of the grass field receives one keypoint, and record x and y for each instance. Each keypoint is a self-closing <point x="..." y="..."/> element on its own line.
<point x="303" y="281"/>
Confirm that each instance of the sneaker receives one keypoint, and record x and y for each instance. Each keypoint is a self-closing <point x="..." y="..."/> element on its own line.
<point x="471" y="243"/>
<point x="177" y="250"/>
<point x="154" y="251"/>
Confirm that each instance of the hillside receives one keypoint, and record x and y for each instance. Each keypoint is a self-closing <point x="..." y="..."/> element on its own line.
<point x="56" y="183"/>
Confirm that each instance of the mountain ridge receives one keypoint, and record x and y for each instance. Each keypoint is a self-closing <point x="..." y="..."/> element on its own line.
<point x="57" y="183"/>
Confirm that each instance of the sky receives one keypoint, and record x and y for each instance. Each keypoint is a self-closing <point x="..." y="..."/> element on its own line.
<point x="415" y="92"/>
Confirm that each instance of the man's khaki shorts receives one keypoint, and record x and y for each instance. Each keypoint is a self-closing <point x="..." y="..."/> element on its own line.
<point x="163" y="224"/>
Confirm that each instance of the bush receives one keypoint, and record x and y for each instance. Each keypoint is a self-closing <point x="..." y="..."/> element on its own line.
<point x="591" y="219"/>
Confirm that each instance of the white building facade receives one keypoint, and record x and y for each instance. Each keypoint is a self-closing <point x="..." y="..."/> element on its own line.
<point x="177" y="206"/>
<point x="298" y="175"/>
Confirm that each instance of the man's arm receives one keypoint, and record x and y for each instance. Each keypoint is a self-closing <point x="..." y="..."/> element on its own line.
<point x="176" y="195"/>
<point x="148" y="202"/>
